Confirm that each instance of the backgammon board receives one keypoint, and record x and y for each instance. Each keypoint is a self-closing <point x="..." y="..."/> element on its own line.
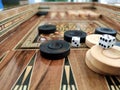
<point x="23" y="68"/>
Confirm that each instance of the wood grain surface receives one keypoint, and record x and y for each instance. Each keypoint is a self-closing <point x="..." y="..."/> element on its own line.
<point x="10" y="40"/>
<point x="46" y="74"/>
<point x="12" y="69"/>
<point x="84" y="77"/>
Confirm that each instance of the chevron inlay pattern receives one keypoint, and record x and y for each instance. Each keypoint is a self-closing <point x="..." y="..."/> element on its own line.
<point x="68" y="82"/>
<point x="113" y="82"/>
<point x="24" y="79"/>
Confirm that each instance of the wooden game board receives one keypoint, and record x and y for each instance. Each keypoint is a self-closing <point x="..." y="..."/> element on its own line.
<point x="23" y="68"/>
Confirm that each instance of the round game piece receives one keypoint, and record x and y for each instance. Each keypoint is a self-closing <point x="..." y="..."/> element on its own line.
<point x="40" y="13"/>
<point x="102" y="30"/>
<point x="46" y="29"/>
<point x="69" y="34"/>
<point x="55" y="49"/>
<point x="92" y="40"/>
<point x="42" y="40"/>
<point x="106" y="60"/>
<point x="88" y="62"/>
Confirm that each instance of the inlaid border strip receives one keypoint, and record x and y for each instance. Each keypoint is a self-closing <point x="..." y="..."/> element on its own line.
<point x="68" y="81"/>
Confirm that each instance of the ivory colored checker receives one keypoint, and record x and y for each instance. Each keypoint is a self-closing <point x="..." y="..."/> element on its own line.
<point x="105" y="60"/>
<point x="88" y="62"/>
<point x="89" y="44"/>
<point x="92" y="39"/>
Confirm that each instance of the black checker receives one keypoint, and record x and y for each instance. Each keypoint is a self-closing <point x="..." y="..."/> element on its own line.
<point x="55" y="49"/>
<point x="69" y="34"/>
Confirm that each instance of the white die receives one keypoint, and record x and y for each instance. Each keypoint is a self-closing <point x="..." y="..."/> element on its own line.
<point x="75" y="42"/>
<point x="107" y="41"/>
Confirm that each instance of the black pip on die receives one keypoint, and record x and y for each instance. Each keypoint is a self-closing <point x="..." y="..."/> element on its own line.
<point x="107" y="41"/>
<point x="75" y="41"/>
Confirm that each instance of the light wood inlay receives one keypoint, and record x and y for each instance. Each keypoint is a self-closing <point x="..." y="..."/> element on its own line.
<point x="68" y="87"/>
<point x="67" y="70"/>
<point x="26" y="73"/>
<point x="64" y="87"/>
<point x="73" y="87"/>
<point x="25" y="87"/>
<point x="16" y="87"/>
<point x="21" y="87"/>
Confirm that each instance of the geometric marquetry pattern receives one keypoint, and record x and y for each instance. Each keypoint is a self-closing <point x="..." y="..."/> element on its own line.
<point x="113" y="82"/>
<point x="24" y="80"/>
<point x="32" y="40"/>
<point x="68" y="82"/>
<point x="11" y="23"/>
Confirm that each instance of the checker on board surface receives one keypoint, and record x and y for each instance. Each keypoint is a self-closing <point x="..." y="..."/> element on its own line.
<point x="92" y="40"/>
<point x="104" y="61"/>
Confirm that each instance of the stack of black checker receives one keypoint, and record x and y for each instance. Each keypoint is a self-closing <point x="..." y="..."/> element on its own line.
<point x="53" y="49"/>
<point x="41" y="13"/>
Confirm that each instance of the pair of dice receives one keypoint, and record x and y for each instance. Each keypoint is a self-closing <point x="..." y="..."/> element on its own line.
<point x="107" y="41"/>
